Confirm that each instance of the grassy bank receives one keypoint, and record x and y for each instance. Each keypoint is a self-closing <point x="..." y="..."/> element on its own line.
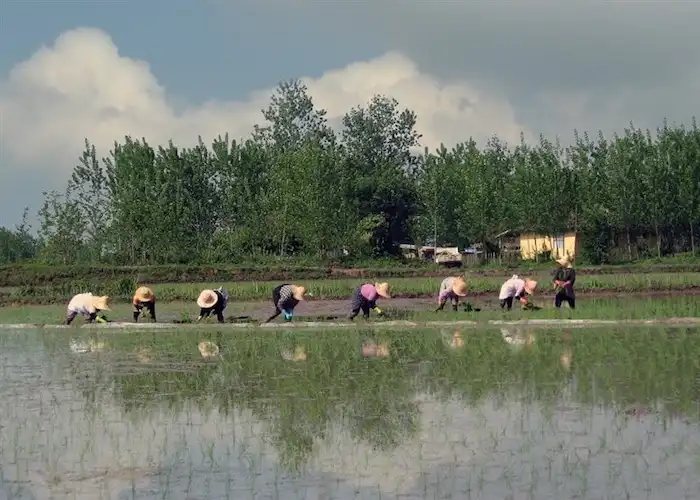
<point x="42" y="275"/>
<point x="122" y="290"/>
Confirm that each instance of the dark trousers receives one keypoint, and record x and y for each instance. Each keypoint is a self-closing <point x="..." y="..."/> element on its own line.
<point x="289" y="305"/>
<point x="562" y="297"/>
<point x="149" y="306"/>
<point x="455" y="305"/>
<point x="507" y="302"/>
<point x="71" y="316"/>
<point x="90" y="317"/>
<point x="359" y="303"/>
<point x="218" y="310"/>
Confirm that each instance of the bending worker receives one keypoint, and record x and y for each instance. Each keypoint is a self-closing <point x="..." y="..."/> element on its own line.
<point x="89" y="306"/>
<point x="452" y="288"/>
<point x="285" y="298"/>
<point x="212" y="301"/>
<point x="516" y="288"/>
<point x="144" y="298"/>
<point x="365" y="298"/>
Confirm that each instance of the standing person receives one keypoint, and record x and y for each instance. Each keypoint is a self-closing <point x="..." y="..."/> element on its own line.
<point x="452" y="288"/>
<point x="285" y="298"/>
<point x="144" y="298"/>
<point x="564" y="279"/>
<point x="212" y="301"/>
<point x="516" y="288"/>
<point x="89" y="306"/>
<point x="365" y="298"/>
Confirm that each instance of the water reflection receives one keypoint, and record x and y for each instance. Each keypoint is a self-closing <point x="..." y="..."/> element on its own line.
<point x="426" y="422"/>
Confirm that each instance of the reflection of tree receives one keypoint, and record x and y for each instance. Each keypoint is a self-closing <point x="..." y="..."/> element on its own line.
<point x="373" y="398"/>
<point x="624" y="367"/>
<point x="383" y="422"/>
<point x="301" y="399"/>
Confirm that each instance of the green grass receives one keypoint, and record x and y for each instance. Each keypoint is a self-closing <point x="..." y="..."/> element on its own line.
<point x="122" y="290"/>
<point x="587" y="308"/>
<point x="42" y="274"/>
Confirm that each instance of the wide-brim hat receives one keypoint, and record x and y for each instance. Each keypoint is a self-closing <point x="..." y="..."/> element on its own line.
<point x="207" y="299"/>
<point x="101" y="303"/>
<point x="208" y="349"/>
<point x="144" y="294"/>
<point x="530" y="287"/>
<point x="459" y="287"/>
<point x="298" y="292"/>
<point x="383" y="290"/>
<point x="564" y="261"/>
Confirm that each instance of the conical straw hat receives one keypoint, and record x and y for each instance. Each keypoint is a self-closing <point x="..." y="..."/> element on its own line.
<point x="207" y="299"/>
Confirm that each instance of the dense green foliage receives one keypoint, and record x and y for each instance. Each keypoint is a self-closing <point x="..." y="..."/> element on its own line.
<point x="17" y="245"/>
<point x="297" y="188"/>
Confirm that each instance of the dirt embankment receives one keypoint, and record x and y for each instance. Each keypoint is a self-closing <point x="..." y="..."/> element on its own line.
<point x="44" y="275"/>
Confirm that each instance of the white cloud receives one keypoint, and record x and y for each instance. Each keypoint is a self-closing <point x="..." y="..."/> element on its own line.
<point x="83" y="87"/>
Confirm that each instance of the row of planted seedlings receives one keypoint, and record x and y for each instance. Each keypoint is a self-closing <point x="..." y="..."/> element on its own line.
<point x="18" y="275"/>
<point x="122" y="290"/>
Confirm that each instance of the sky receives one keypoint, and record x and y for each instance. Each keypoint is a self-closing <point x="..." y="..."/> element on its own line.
<point x="101" y="70"/>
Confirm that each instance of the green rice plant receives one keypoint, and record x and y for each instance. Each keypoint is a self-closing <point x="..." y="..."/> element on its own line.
<point x="342" y="289"/>
<point x="40" y="274"/>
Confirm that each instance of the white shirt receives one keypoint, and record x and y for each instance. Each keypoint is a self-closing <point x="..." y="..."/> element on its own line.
<point x="82" y="304"/>
<point x="514" y="287"/>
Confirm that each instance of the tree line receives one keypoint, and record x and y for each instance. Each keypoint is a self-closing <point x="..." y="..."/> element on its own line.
<point x="298" y="188"/>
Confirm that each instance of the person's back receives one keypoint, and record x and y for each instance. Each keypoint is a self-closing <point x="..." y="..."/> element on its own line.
<point x="81" y="303"/>
<point x="511" y="287"/>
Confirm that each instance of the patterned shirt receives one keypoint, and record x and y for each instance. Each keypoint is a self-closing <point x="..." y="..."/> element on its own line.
<point x="223" y="299"/>
<point x="286" y="296"/>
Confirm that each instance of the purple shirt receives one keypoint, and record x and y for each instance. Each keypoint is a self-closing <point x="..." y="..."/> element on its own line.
<point x="369" y="292"/>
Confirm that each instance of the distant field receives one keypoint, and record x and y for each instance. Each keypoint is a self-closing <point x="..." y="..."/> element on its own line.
<point x="43" y="275"/>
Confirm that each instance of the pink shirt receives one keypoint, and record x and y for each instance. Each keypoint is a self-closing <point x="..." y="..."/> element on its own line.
<point x="369" y="292"/>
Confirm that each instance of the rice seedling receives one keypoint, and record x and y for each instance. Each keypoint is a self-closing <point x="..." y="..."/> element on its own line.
<point x="121" y="290"/>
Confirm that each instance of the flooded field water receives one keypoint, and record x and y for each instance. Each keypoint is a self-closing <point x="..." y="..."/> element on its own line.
<point x="586" y="414"/>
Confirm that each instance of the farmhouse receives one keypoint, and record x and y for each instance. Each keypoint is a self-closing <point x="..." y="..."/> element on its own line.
<point x="558" y="245"/>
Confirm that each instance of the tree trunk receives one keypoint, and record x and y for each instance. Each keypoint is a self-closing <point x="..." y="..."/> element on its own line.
<point x="629" y="245"/>
<point x="537" y="254"/>
<point x="658" y="240"/>
<point x="284" y="229"/>
<point x="692" y="239"/>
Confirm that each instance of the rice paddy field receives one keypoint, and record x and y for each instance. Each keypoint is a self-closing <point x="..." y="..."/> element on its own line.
<point x="609" y="307"/>
<point x="514" y="412"/>
<point x="480" y="403"/>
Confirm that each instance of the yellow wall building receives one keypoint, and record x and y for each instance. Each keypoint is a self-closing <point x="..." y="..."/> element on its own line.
<point x="562" y="244"/>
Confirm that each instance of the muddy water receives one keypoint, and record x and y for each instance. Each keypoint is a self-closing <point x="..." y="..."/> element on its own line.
<point x="67" y="433"/>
